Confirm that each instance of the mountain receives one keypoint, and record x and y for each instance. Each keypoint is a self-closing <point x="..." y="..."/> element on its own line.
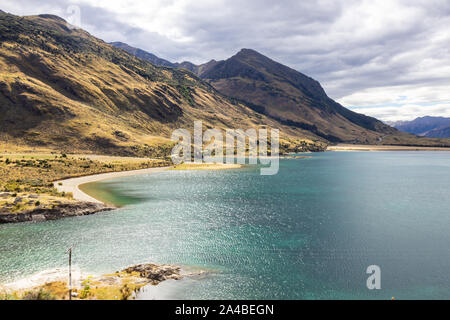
<point x="439" y="133"/>
<point x="63" y="89"/>
<point x="143" y="54"/>
<point x="286" y="96"/>
<point x="433" y="127"/>
<point x="188" y="66"/>
<point x="290" y="97"/>
<point x="197" y="69"/>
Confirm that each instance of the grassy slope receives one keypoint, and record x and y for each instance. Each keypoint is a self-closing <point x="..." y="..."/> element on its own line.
<point x="66" y="90"/>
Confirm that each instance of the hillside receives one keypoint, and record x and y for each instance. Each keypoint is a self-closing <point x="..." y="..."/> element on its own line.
<point x="286" y="96"/>
<point x="291" y="98"/>
<point x="433" y="127"/>
<point x="439" y="133"/>
<point x="63" y="89"/>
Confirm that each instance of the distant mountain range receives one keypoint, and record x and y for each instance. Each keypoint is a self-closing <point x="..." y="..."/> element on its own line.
<point x="197" y="69"/>
<point x="63" y="89"/>
<point x="432" y="127"/>
<point x="143" y="54"/>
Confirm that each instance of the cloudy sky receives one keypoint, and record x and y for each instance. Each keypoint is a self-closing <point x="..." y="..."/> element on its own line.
<point x="389" y="59"/>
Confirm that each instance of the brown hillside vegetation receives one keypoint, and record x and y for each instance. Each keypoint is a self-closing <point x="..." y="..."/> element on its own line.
<point x="64" y="89"/>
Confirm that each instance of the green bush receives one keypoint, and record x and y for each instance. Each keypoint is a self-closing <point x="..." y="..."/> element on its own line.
<point x="86" y="290"/>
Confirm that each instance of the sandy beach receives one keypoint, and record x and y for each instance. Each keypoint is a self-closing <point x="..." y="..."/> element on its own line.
<point x="72" y="185"/>
<point x="207" y="166"/>
<point x="355" y="147"/>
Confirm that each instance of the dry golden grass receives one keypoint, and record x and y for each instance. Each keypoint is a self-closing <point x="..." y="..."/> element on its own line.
<point x="20" y="202"/>
<point x="116" y="286"/>
<point x="68" y="91"/>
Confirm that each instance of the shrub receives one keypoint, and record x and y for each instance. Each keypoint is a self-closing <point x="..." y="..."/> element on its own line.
<point x="38" y="295"/>
<point x="12" y="186"/>
<point x="8" y="296"/>
<point x="86" y="290"/>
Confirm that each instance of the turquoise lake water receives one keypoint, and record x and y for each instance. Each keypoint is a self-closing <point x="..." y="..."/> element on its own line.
<point x="309" y="232"/>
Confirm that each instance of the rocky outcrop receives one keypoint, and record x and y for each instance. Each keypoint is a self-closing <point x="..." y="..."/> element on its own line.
<point x="121" y="285"/>
<point x="56" y="212"/>
<point x="155" y="273"/>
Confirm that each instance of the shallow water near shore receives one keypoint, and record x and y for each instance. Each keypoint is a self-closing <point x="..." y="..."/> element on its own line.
<point x="309" y="232"/>
<point x="106" y="192"/>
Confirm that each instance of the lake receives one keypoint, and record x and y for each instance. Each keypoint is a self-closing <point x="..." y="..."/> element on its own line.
<point x="309" y="232"/>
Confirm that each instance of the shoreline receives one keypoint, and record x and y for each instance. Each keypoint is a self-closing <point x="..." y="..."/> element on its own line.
<point x="63" y="210"/>
<point x="73" y="184"/>
<point x="52" y="284"/>
<point x="53" y="280"/>
<point x="360" y="147"/>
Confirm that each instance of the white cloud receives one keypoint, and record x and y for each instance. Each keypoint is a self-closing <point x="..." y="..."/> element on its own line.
<point x="398" y="95"/>
<point x="407" y="111"/>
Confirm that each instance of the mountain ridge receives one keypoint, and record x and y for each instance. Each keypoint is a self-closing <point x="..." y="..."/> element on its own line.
<point x="64" y="89"/>
<point x="216" y="71"/>
<point x="290" y="96"/>
<point x="428" y="126"/>
<point x="142" y="54"/>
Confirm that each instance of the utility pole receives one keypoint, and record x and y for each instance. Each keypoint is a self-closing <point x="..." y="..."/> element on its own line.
<point x="70" y="272"/>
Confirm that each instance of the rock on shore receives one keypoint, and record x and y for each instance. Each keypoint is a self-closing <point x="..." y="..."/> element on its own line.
<point x="121" y="285"/>
<point x="62" y="210"/>
<point x="155" y="273"/>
